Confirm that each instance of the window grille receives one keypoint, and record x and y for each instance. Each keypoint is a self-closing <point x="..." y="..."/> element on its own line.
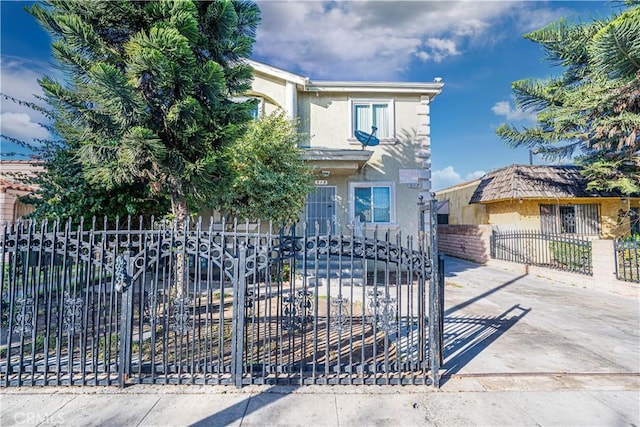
<point x="570" y="219"/>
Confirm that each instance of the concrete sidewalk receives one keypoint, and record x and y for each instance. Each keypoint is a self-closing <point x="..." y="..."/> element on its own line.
<point x="519" y="350"/>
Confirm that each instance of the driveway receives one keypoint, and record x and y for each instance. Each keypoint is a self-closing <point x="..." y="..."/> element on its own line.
<point x="503" y="327"/>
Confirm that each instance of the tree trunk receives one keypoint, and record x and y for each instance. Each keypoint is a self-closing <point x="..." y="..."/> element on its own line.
<point x="180" y="212"/>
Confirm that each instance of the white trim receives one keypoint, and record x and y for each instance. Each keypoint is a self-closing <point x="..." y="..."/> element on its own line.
<point x="392" y="196"/>
<point x="431" y="89"/>
<point x="392" y="119"/>
<point x="279" y="73"/>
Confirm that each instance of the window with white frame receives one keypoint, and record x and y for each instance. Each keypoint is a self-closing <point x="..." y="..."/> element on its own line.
<point x="373" y="202"/>
<point x="368" y="113"/>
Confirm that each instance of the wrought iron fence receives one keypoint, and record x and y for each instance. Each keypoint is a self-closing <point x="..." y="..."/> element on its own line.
<point x="225" y="304"/>
<point x="627" y="259"/>
<point x="562" y="252"/>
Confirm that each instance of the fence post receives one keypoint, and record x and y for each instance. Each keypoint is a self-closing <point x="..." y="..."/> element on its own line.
<point x="435" y="314"/>
<point x="441" y="312"/>
<point x="237" y="338"/>
<point x="123" y="270"/>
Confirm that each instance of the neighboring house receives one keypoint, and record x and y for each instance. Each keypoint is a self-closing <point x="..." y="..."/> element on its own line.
<point x="378" y="185"/>
<point x="552" y="199"/>
<point x="12" y="176"/>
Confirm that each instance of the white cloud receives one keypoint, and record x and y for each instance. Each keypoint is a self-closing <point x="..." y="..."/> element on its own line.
<point x="439" y="49"/>
<point x="533" y="18"/>
<point x="504" y="108"/>
<point x="371" y="39"/>
<point x="18" y="79"/>
<point x="448" y="176"/>
<point x="20" y="126"/>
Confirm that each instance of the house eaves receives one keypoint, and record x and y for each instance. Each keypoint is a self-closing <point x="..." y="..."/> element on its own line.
<point x="431" y="89"/>
<point x="305" y="84"/>
<point x="279" y="73"/>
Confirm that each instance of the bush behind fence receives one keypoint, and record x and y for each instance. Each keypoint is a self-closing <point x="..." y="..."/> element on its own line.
<point x="627" y="259"/>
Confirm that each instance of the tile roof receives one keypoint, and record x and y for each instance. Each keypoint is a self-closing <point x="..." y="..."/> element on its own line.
<point x="10" y="185"/>
<point x="535" y="182"/>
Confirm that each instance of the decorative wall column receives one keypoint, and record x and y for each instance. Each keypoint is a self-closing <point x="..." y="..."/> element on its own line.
<point x="423" y="137"/>
<point x="291" y="100"/>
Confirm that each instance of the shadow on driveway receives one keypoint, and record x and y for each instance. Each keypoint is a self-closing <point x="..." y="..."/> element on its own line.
<point x="467" y="336"/>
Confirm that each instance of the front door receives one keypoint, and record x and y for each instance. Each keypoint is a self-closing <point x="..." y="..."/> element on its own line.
<point x="321" y="210"/>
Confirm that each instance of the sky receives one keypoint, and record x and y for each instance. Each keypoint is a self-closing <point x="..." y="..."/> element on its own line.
<point x="476" y="47"/>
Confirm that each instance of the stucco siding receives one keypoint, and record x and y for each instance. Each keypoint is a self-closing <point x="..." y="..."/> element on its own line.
<point x="513" y="214"/>
<point x="614" y="222"/>
<point x="272" y="88"/>
<point x="460" y="211"/>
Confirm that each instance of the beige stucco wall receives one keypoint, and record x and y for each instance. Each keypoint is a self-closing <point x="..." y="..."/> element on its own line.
<point x="270" y="89"/>
<point x="512" y="214"/>
<point x="326" y="118"/>
<point x="613" y="223"/>
<point x="460" y="211"/>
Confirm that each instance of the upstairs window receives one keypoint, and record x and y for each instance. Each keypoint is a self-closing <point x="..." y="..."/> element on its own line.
<point x="570" y="219"/>
<point x="380" y="114"/>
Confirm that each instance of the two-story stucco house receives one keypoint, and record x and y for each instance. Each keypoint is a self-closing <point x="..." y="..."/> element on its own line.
<point x="377" y="185"/>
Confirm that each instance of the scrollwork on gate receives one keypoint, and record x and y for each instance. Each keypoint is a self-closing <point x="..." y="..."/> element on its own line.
<point x="72" y="321"/>
<point x="24" y="316"/>
<point x="382" y="309"/>
<point x="297" y="309"/>
<point x="339" y="314"/>
<point x="181" y="315"/>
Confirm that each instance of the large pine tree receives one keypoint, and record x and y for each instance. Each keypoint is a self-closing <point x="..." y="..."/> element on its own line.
<point x="146" y="107"/>
<point x="592" y="110"/>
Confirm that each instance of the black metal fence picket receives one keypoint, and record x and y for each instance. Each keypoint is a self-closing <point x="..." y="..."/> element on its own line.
<point x="560" y="251"/>
<point x="226" y="303"/>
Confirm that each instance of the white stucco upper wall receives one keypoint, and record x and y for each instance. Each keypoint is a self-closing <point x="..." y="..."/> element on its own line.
<point x="324" y="107"/>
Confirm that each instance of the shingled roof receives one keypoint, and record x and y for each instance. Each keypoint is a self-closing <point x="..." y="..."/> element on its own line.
<point x="535" y="182"/>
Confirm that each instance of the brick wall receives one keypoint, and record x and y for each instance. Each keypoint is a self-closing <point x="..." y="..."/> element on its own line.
<point x="471" y="242"/>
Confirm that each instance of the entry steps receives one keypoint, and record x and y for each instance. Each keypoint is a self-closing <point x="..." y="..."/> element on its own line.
<point x="324" y="271"/>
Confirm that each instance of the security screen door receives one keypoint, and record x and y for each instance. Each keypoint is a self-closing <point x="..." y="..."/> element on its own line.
<point x="321" y="207"/>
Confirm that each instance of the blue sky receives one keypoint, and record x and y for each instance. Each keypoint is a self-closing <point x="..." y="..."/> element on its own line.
<point x="476" y="47"/>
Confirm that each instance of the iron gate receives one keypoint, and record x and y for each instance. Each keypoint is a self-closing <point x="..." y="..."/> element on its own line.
<point x="223" y="304"/>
